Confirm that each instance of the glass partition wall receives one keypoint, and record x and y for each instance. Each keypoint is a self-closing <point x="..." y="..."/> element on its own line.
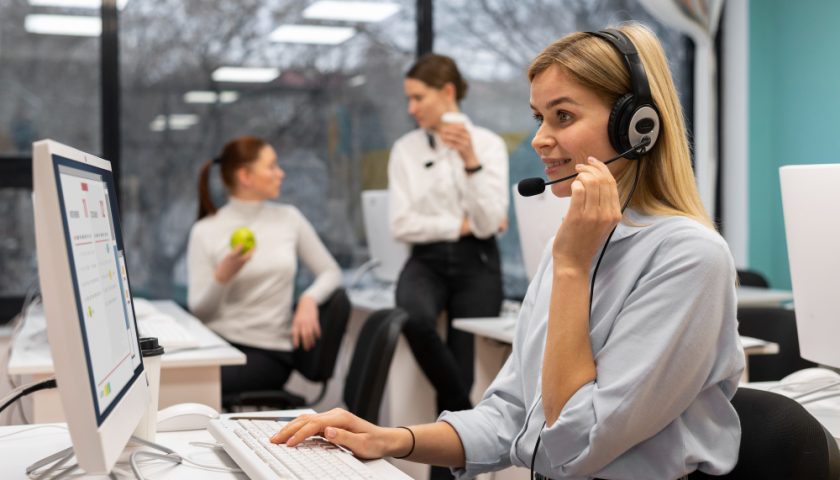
<point x="49" y="88"/>
<point x="320" y="82"/>
<point x="325" y="92"/>
<point x="494" y="42"/>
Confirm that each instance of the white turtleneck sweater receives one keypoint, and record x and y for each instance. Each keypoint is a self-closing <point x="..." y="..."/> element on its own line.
<point x="254" y="308"/>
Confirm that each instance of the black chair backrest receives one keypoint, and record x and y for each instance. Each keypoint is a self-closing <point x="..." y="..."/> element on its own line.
<point x="780" y="440"/>
<point x="368" y="372"/>
<point x="774" y="324"/>
<point x="751" y="278"/>
<point x="318" y="363"/>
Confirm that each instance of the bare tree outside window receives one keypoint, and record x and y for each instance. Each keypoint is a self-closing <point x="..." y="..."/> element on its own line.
<point x="332" y="113"/>
<point x="49" y="88"/>
<point x="493" y="42"/>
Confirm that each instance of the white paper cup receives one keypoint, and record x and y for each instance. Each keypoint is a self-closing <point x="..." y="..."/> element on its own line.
<point x="453" y="117"/>
<point x="151" y="352"/>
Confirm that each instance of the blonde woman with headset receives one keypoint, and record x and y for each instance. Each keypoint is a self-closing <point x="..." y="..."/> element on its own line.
<point x="626" y="372"/>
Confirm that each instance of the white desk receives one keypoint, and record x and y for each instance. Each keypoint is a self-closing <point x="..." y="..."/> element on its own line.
<point x="376" y="298"/>
<point x="826" y="411"/>
<point x="372" y="298"/>
<point x="762" y="297"/>
<point x="501" y="329"/>
<point x="22" y="447"/>
<point x="186" y="376"/>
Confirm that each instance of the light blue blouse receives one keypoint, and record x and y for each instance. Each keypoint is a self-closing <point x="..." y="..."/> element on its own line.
<point x="668" y="359"/>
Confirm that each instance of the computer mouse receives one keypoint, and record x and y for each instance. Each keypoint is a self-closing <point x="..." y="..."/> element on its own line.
<point x="811" y="376"/>
<point x="185" y="416"/>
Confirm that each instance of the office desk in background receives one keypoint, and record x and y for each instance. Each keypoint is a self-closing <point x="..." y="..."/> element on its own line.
<point x="22" y="446"/>
<point x="383" y="297"/>
<point x="763" y="297"/>
<point x="501" y="330"/>
<point x="186" y="376"/>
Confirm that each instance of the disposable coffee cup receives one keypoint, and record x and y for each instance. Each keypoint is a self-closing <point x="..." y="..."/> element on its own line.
<point x="151" y="352"/>
<point x="453" y="117"/>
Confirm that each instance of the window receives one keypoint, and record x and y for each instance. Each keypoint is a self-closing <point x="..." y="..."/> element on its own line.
<point x="331" y="111"/>
<point x="493" y="43"/>
<point x="50" y="77"/>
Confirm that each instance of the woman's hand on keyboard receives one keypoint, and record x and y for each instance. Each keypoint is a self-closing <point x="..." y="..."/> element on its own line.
<point x="364" y="439"/>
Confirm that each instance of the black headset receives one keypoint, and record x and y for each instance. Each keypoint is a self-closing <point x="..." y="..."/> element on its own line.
<point x="634" y="116"/>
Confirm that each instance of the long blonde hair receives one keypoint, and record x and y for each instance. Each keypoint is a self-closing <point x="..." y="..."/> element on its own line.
<point x="666" y="180"/>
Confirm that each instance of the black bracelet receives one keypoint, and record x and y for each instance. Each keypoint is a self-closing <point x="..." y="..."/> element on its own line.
<point x="473" y="169"/>
<point x="413" y="442"/>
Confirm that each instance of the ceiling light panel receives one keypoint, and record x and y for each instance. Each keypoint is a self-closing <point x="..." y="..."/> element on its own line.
<point x="350" y="11"/>
<point x="312" y="34"/>
<point x="207" y="96"/>
<point x="245" y="75"/>
<point x="78" y="26"/>
<point x="74" y="3"/>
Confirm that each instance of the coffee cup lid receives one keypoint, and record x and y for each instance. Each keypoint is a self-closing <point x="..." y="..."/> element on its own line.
<point x="149" y="347"/>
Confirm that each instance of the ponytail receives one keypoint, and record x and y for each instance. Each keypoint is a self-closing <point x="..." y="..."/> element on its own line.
<point x="205" y="202"/>
<point x="236" y="154"/>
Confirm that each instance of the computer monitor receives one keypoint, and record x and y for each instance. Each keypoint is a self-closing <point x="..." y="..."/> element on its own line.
<point x="538" y="218"/>
<point x="811" y="204"/>
<point x="388" y="253"/>
<point x="87" y="302"/>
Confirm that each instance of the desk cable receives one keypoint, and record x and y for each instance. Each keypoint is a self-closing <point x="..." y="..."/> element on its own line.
<point x="172" y="456"/>
<point x="31" y="299"/>
<point x="819" y="388"/>
<point x="25" y="390"/>
<point x="56" y="467"/>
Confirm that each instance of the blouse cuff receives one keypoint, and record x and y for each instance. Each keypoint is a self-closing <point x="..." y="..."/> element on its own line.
<point x="569" y="437"/>
<point x="480" y="447"/>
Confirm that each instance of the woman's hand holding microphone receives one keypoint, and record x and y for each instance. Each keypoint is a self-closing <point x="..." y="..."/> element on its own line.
<point x="593" y="212"/>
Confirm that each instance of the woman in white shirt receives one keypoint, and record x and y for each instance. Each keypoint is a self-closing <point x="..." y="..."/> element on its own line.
<point x="448" y="183"/>
<point x="624" y="372"/>
<point x="246" y="297"/>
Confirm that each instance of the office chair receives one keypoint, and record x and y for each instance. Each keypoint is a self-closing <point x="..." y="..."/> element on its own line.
<point x="752" y="278"/>
<point x="364" y="384"/>
<point x="774" y="324"/>
<point x="368" y="372"/>
<point x="779" y="440"/>
<point x="316" y="364"/>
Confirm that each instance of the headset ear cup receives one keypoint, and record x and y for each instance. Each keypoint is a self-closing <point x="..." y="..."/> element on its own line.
<point x="619" y="124"/>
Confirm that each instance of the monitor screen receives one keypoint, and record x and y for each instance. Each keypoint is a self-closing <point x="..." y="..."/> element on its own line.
<point x="811" y="207"/>
<point x="87" y="204"/>
<point x="390" y="253"/>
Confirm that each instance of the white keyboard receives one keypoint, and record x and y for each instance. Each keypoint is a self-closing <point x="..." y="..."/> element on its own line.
<point x="247" y="442"/>
<point x="143" y="307"/>
<point x="171" y="335"/>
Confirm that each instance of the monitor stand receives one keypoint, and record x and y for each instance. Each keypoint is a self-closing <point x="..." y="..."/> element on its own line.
<point x="55" y="461"/>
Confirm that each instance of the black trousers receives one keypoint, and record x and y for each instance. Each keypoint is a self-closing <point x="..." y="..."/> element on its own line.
<point x="464" y="278"/>
<point x="264" y="370"/>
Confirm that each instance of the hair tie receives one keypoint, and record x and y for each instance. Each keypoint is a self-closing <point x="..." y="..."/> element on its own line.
<point x="217" y="160"/>
<point x="413" y="443"/>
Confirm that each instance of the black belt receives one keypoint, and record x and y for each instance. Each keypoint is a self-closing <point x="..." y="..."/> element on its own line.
<point x="538" y="476"/>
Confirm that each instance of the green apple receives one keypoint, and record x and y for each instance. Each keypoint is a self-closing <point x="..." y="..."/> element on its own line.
<point x="245" y="237"/>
